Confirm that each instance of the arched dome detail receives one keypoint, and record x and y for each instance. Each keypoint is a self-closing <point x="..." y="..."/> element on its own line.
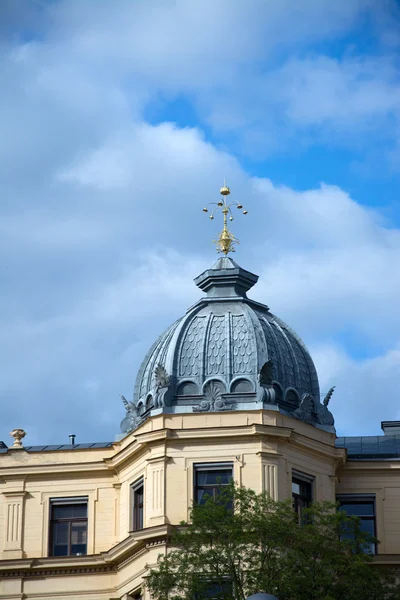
<point x="187" y="388"/>
<point x="229" y="345"/>
<point x="241" y="385"/>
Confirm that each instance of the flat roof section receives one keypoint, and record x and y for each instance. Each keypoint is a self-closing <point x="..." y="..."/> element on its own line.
<point x="52" y="448"/>
<point x="370" y="447"/>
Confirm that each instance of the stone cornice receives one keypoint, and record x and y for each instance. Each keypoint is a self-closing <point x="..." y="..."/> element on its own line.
<point x="30" y="471"/>
<point x="318" y="447"/>
<point x="372" y="466"/>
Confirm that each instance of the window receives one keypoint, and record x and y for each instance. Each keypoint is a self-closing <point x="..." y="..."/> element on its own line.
<point x="301" y="493"/>
<point x="214" y="590"/>
<point x="68" y="527"/>
<point x="138" y="504"/>
<point x="364" y="508"/>
<point x="209" y="478"/>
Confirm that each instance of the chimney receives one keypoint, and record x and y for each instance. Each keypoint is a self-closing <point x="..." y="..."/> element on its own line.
<point x="391" y="427"/>
<point x="72" y="439"/>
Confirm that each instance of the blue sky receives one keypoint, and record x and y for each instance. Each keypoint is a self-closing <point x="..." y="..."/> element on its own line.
<point x="121" y="119"/>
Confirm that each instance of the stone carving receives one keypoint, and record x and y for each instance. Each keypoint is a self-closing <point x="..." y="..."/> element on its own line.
<point x="161" y="377"/>
<point x="162" y="382"/>
<point x="18" y="435"/>
<point x="131" y="419"/>
<point x="312" y="412"/>
<point x="306" y="409"/>
<point x="325" y="417"/>
<point x="213" y="400"/>
<point x="329" y="396"/>
<point x="265" y="376"/>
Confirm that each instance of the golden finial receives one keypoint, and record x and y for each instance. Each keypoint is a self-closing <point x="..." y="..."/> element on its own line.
<point x="226" y="241"/>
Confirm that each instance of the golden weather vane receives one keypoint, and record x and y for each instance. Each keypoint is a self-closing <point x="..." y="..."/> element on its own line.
<point x="226" y="241"/>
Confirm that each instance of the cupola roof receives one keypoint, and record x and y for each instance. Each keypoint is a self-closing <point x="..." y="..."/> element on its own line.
<point x="228" y="353"/>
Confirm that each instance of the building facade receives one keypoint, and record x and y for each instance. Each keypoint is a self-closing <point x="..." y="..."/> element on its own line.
<point x="229" y="390"/>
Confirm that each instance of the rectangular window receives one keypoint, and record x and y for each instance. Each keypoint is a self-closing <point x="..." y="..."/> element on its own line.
<point x="68" y="526"/>
<point x="138" y="505"/>
<point x="364" y="508"/>
<point x="214" y="590"/>
<point x="301" y="493"/>
<point x="209" y="478"/>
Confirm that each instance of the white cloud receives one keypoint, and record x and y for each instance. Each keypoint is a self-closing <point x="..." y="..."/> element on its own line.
<point x="102" y="229"/>
<point x="366" y="390"/>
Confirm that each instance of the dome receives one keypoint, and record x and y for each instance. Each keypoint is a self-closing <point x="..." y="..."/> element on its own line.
<point x="228" y="353"/>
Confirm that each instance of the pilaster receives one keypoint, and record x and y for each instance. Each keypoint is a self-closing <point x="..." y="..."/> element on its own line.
<point x="14" y="515"/>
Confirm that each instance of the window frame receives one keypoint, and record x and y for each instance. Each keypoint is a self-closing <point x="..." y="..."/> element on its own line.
<point x="297" y="499"/>
<point x="362" y="499"/>
<point x="137" y="517"/>
<point x="67" y="501"/>
<point x="202" y="467"/>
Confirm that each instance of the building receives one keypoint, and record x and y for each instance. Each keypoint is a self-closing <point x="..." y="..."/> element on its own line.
<point x="228" y="390"/>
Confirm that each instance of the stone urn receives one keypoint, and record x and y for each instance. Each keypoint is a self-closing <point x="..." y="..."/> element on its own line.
<point x="18" y="435"/>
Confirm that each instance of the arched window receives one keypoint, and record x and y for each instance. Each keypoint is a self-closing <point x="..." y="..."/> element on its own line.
<point x="188" y="388"/>
<point x="241" y="386"/>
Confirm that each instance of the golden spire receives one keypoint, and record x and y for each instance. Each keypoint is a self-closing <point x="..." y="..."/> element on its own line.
<point x="226" y="241"/>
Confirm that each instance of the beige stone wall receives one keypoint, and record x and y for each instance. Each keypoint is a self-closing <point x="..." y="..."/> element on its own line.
<point x="263" y="447"/>
<point x="381" y="478"/>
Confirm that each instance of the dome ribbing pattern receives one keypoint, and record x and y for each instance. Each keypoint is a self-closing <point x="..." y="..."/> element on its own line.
<point x="228" y="353"/>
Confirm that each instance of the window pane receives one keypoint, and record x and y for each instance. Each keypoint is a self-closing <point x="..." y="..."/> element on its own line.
<point x="69" y="511"/>
<point x="216" y="590"/>
<point x="78" y="538"/>
<point x="60" y="539"/>
<point x="201" y="496"/>
<point x="204" y="494"/>
<point x="212" y="477"/>
<point x="138" y="517"/>
<point x="138" y="496"/>
<point x="302" y="488"/>
<point x="295" y="488"/>
<point x="368" y="526"/>
<point x="138" y="501"/>
<point x="358" y="508"/>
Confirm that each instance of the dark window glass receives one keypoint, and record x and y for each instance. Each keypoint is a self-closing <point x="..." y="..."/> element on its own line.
<point x="68" y="529"/>
<point x="302" y="496"/>
<point x="209" y="480"/>
<point x="365" y="510"/>
<point x="212" y="590"/>
<point x="138" y="503"/>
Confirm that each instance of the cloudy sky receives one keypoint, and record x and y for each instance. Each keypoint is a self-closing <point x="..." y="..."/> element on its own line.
<point x="119" y="120"/>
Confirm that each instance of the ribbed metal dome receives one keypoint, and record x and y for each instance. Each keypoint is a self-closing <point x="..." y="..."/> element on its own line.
<point x="228" y="353"/>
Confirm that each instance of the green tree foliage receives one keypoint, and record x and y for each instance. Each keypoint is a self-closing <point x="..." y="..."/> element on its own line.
<point x="260" y="547"/>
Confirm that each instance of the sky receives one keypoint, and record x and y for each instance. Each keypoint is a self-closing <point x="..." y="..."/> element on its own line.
<point x="120" y="120"/>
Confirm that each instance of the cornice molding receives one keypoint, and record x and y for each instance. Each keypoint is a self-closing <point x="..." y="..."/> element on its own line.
<point x="372" y="466"/>
<point x="30" y="471"/>
<point x="318" y="447"/>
